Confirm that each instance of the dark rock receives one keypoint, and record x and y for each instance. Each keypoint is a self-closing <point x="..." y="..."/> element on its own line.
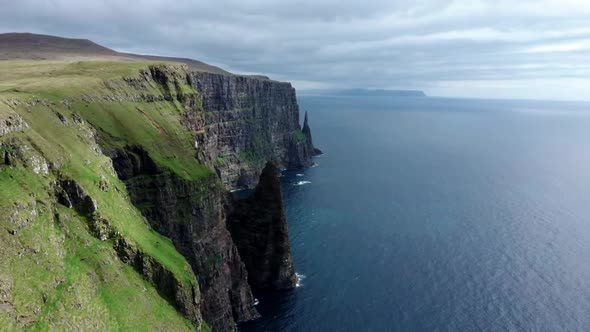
<point x="306" y="130"/>
<point x="8" y="159"/>
<point x="71" y="195"/>
<point x="258" y="226"/>
<point x="61" y="117"/>
<point x="133" y="161"/>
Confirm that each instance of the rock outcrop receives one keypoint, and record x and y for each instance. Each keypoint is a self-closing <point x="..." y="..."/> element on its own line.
<point x="259" y="229"/>
<point x="71" y="195"/>
<point x="306" y="130"/>
<point x="10" y="123"/>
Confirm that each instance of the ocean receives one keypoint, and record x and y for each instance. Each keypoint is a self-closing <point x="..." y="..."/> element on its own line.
<point x="436" y="214"/>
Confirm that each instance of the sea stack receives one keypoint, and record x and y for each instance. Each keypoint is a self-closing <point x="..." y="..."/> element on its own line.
<point x="258" y="226"/>
<point x="307" y="133"/>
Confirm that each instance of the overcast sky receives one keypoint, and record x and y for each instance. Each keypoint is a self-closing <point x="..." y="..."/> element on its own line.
<point x="507" y="49"/>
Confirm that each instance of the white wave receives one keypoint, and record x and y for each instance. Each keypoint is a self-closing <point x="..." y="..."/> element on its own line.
<point x="300" y="183"/>
<point x="315" y="165"/>
<point x="299" y="174"/>
<point x="300" y="278"/>
<point x="256" y="302"/>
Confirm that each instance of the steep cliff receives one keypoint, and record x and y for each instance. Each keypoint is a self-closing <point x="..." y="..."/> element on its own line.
<point x="259" y="228"/>
<point x="108" y="156"/>
<point x="306" y="130"/>
<point x="192" y="214"/>
<point x="248" y="121"/>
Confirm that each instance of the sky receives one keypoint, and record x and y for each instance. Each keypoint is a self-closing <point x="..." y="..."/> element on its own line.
<point x="496" y="49"/>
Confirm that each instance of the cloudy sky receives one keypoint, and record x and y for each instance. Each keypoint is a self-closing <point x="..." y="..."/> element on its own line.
<point x="496" y="48"/>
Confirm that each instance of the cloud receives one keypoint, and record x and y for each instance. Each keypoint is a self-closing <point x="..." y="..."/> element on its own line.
<point x="442" y="46"/>
<point x="571" y="46"/>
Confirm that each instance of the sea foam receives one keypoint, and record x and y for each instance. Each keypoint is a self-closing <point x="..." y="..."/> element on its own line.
<point x="300" y="278"/>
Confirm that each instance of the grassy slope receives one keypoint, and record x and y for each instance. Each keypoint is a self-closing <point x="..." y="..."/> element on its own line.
<point x="75" y="281"/>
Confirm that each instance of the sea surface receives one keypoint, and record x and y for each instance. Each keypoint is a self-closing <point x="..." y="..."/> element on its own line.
<point x="433" y="214"/>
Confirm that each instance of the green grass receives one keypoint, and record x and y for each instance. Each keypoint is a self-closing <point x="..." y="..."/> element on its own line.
<point x="220" y="160"/>
<point x="60" y="79"/>
<point x="98" y="289"/>
<point x="299" y="136"/>
<point x="62" y="278"/>
<point x="76" y="282"/>
<point x="155" y="126"/>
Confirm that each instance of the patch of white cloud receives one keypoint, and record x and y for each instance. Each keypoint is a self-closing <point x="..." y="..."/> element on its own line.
<point x="572" y="46"/>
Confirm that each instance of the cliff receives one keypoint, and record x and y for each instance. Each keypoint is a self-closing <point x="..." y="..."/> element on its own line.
<point x="249" y="121"/>
<point x="114" y="189"/>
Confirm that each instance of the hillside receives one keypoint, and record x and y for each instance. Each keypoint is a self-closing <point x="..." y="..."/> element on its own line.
<point x="34" y="46"/>
<point x="114" y="176"/>
<point x="44" y="47"/>
<point x="68" y="224"/>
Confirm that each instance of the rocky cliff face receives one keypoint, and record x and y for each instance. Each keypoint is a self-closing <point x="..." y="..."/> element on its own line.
<point x="248" y="121"/>
<point x="192" y="214"/>
<point x="259" y="228"/>
<point x="306" y="130"/>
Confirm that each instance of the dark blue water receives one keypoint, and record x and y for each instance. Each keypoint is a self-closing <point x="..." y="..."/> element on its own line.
<point x="440" y="215"/>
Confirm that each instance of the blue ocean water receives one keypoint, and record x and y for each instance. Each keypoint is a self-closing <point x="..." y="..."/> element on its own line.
<point x="432" y="214"/>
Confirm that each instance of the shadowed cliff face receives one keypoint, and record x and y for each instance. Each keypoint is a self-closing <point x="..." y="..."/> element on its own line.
<point x="192" y="214"/>
<point x="306" y="130"/>
<point x="258" y="226"/>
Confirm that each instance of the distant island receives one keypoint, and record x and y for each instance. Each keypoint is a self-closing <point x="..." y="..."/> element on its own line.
<point x="365" y="92"/>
